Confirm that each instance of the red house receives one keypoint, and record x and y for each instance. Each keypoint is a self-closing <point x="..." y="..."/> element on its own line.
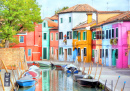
<point x="54" y="42"/>
<point x="32" y="43"/>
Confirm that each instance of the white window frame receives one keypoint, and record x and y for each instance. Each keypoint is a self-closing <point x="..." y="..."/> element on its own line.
<point x="51" y="37"/>
<point x="58" y="36"/>
<point x="19" y="39"/>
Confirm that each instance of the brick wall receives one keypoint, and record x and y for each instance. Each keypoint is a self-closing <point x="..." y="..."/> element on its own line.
<point x="12" y="56"/>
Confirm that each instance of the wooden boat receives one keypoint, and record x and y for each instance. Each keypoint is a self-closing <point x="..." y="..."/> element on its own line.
<point x="77" y="76"/>
<point x="26" y="81"/>
<point x="88" y="82"/>
<point x="32" y="88"/>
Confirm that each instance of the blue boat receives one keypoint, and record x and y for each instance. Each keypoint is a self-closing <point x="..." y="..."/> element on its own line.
<point x="26" y="81"/>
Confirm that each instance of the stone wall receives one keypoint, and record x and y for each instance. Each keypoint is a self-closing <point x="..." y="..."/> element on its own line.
<point x="12" y="56"/>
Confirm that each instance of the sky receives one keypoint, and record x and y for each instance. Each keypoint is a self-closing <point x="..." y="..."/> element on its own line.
<point x="49" y="6"/>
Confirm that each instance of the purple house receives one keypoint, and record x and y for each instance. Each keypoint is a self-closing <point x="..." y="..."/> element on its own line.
<point x="116" y="29"/>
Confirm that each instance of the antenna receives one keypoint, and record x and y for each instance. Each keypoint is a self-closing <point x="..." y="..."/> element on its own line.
<point x="107" y="6"/>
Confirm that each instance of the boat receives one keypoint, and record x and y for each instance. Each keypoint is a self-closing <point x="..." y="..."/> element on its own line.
<point x="26" y="81"/>
<point x="44" y="65"/>
<point x="88" y="82"/>
<point x="35" y="74"/>
<point x="32" y="88"/>
<point x="77" y="76"/>
<point x="34" y="68"/>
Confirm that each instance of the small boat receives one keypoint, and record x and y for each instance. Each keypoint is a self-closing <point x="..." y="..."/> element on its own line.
<point x="77" y="76"/>
<point x="32" y="88"/>
<point x="58" y="66"/>
<point x="26" y="81"/>
<point x="88" y="82"/>
<point x="34" y="67"/>
<point x="44" y="65"/>
<point x="33" y="73"/>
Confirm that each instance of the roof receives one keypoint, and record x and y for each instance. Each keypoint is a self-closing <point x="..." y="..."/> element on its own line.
<point x="51" y="23"/>
<point x="116" y="11"/>
<point x="84" y="25"/>
<point x="54" y="17"/>
<point x="79" y="8"/>
<point x="54" y="28"/>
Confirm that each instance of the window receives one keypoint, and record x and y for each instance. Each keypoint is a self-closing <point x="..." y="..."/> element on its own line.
<point x="84" y="35"/>
<point x="78" y="35"/>
<point x="106" y="53"/>
<point x="78" y="51"/>
<point x="109" y="34"/>
<point x="52" y="50"/>
<point x="44" y="24"/>
<point x="69" y="51"/>
<point x="116" y="54"/>
<point x="60" y="50"/>
<point x="103" y="35"/>
<point x="112" y="33"/>
<point x="100" y="36"/>
<point x="56" y="36"/>
<point x="85" y="53"/>
<point x="21" y="39"/>
<point x="69" y="35"/>
<point x="69" y="19"/>
<point x="60" y="35"/>
<point x="93" y="35"/>
<point x="97" y="35"/>
<point x="61" y="20"/>
<point x="29" y="52"/>
<point x="74" y="34"/>
<point x="102" y="52"/>
<point x="45" y="36"/>
<point x="116" y="32"/>
<point x="51" y="36"/>
<point x="93" y="53"/>
<point x="106" y="34"/>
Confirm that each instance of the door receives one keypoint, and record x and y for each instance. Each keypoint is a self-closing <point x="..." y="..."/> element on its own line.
<point x="57" y="54"/>
<point x="129" y="59"/>
<point x="114" y="58"/>
<point x="44" y="53"/>
<point x="82" y="55"/>
<point x="65" y="55"/>
<point x="75" y="54"/>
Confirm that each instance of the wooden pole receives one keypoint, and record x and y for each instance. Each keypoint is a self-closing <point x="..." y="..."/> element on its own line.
<point x="2" y="82"/>
<point x="116" y="83"/>
<point x="100" y="73"/>
<point x="83" y="68"/>
<point x="91" y="68"/>
<point x="7" y="72"/>
<point x="96" y="71"/>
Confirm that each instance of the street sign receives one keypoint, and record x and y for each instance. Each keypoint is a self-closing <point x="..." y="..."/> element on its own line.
<point x="7" y="79"/>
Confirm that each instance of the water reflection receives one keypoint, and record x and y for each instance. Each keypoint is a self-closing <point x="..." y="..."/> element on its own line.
<point x="57" y="80"/>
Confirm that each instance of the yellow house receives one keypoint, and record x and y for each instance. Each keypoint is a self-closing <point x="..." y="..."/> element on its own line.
<point x="82" y="40"/>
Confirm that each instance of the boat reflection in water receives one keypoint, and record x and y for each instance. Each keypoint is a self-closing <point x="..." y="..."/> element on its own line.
<point x="32" y="88"/>
<point x="57" y="80"/>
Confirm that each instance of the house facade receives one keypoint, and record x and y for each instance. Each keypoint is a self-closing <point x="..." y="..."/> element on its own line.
<point x="31" y="42"/>
<point x="46" y="25"/>
<point x="68" y="19"/>
<point x="54" y="43"/>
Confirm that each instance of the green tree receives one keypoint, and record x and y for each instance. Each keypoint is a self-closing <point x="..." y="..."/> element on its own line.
<point x="61" y="9"/>
<point x="17" y="15"/>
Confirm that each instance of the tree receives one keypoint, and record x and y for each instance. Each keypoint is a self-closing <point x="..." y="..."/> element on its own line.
<point x="61" y="9"/>
<point x="17" y="15"/>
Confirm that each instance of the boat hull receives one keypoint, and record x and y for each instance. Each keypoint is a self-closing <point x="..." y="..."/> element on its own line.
<point x="44" y="65"/>
<point x="77" y="76"/>
<point x="23" y="83"/>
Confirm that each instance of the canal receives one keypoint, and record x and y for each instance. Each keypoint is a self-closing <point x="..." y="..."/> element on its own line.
<point x="56" y="80"/>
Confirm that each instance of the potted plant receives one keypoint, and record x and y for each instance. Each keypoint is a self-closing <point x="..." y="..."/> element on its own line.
<point x="111" y="41"/>
<point x="115" y="41"/>
<point x="10" y="67"/>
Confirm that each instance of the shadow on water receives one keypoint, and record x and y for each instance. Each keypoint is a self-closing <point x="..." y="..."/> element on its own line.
<point x="57" y="80"/>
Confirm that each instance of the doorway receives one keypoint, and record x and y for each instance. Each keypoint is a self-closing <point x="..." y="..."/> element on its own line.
<point x="44" y="53"/>
<point x="65" y="54"/>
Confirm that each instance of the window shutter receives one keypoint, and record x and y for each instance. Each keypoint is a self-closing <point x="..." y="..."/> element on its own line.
<point x="73" y="34"/>
<point x="62" y="35"/>
<point x="68" y="51"/>
<point x="78" y="36"/>
<point x="116" y="32"/>
<point x="92" y="53"/>
<point x="86" y="35"/>
<point x="92" y="35"/>
<point x="67" y="35"/>
<point x="83" y="35"/>
<point x="59" y="50"/>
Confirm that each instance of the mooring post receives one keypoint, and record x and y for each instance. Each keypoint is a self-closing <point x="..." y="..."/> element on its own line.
<point x="105" y="85"/>
<point x="116" y="83"/>
<point x="111" y="85"/>
<point x="123" y="86"/>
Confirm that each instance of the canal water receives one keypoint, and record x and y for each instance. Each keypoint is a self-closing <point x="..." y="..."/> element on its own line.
<point x="57" y="80"/>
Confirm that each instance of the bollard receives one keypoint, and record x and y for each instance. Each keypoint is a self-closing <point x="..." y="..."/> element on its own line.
<point x="116" y="83"/>
<point x="111" y="85"/>
<point x="123" y="86"/>
<point x="105" y="85"/>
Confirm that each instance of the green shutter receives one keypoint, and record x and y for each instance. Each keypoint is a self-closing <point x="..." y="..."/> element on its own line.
<point x="73" y="34"/>
<point x="116" y="32"/>
<point x="59" y="50"/>
<point x="68" y="52"/>
<point x="94" y="35"/>
<point x="69" y="19"/>
<point x="92" y="53"/>
<point x="79" y="36"/>
<point x="86" y="35"/>
<point x="44" y="36"/>
<point x="83" y="35"/>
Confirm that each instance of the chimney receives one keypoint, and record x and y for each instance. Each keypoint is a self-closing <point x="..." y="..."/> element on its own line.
<point x="89" y="19"/>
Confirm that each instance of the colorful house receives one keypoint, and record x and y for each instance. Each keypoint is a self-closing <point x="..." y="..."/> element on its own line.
<point x="54" y="18"/>
<point x="68" y="19"/>
<point x="82" y="40"/>
<point x="46" y="25"/>
<point x="128" y="42"/>
<point x="54" y="43"/>
<point x="115" y="40"/>
<point x="31" y="42"/>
